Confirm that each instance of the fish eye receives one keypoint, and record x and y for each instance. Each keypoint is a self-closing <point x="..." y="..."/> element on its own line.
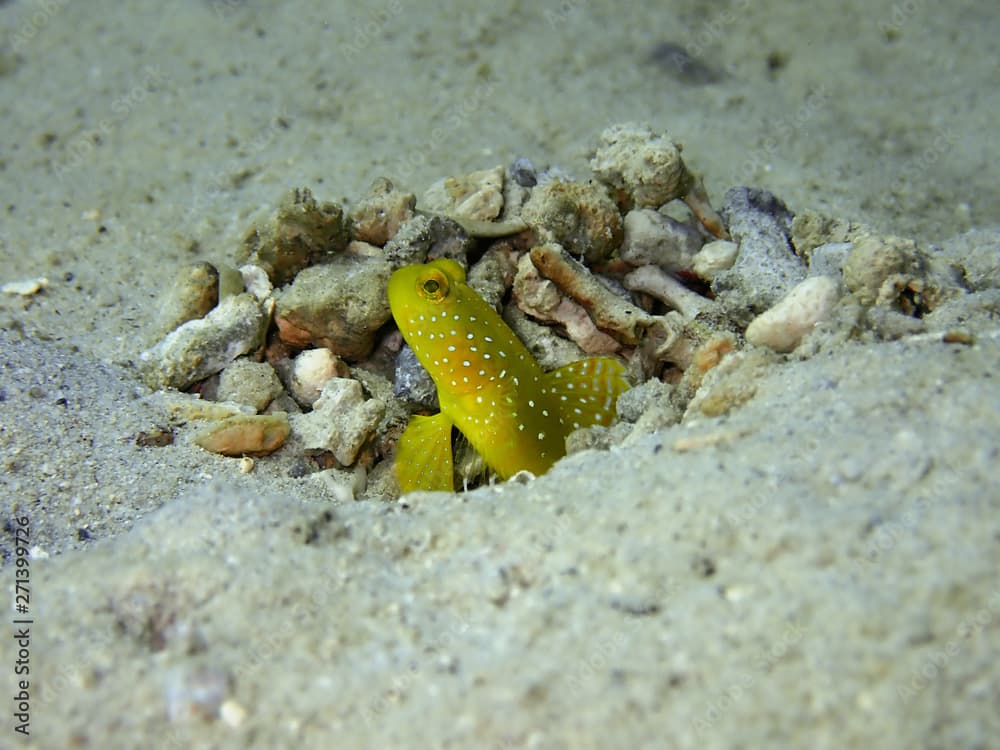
<point x="433" y="286"/>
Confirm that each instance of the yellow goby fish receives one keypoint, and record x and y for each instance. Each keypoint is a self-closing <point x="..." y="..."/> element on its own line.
<point x="513" y="413"/>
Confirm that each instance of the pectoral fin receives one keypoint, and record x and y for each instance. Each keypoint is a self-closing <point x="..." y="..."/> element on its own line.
<point x="423" y="456"/>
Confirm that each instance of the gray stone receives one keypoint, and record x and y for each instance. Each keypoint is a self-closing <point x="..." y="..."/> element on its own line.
<point x="652" y="238"/>
<point x="412" y="382"/>
<point x="766" y="268"/>
<point x="339" y="305"/>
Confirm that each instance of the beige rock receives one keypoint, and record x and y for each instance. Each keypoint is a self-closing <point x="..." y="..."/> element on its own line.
<point x="339" y="305"/>
<point x="205" y="346"/>
<point x="783" y="327"/>
<point x="477" y="195"/>
<point x="255" y="384"/>
<point x="378" y="215"/>
<point x="341" y="420"/>
<point x="580" y="217"/>
<point x="192" y="295"/>
<point x="642" y="168"/>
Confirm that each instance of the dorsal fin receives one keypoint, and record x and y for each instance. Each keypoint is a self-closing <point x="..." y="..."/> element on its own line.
<point x="587" y="391"/>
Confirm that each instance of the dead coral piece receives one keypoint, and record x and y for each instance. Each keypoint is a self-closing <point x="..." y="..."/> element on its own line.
<point x="542" y="299"/>
<point x="811" y="229"/>
<point x="580" y="217"/>
<point x="245" y="435"/>
<point x="642" y="168"/>
<point x="784" y="326"/>
<point x="380" y="213"/>
<point x="205" y="346"/>
<point x="654" y="281"/>
<point x="611" y="313"/>
<point x="301" y="233"/>
<point x="477" y="195"/>
<point x="493" y="274"/>
<point x="192" y="295"/>
<point x="341" y="420"/>
<point x="339" y="305"/>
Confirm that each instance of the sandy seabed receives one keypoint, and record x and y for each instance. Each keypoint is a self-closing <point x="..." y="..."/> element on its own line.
<point x="817" y="568"/>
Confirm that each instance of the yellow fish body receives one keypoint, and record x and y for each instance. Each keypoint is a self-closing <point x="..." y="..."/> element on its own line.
<point x="490" y="387"/>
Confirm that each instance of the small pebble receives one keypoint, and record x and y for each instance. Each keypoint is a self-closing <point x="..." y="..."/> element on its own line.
<point x="412" y="382"/>
<point x="193" y="294"/>
<point x="232" y="713"/>
<point x="244" y="381"/>
<point x="714" y="257"/>
<point x="195" y="692"/>
<point x="522" y="171"/>
<point x="26" y="287"/>
<point x="311" y="370"/>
